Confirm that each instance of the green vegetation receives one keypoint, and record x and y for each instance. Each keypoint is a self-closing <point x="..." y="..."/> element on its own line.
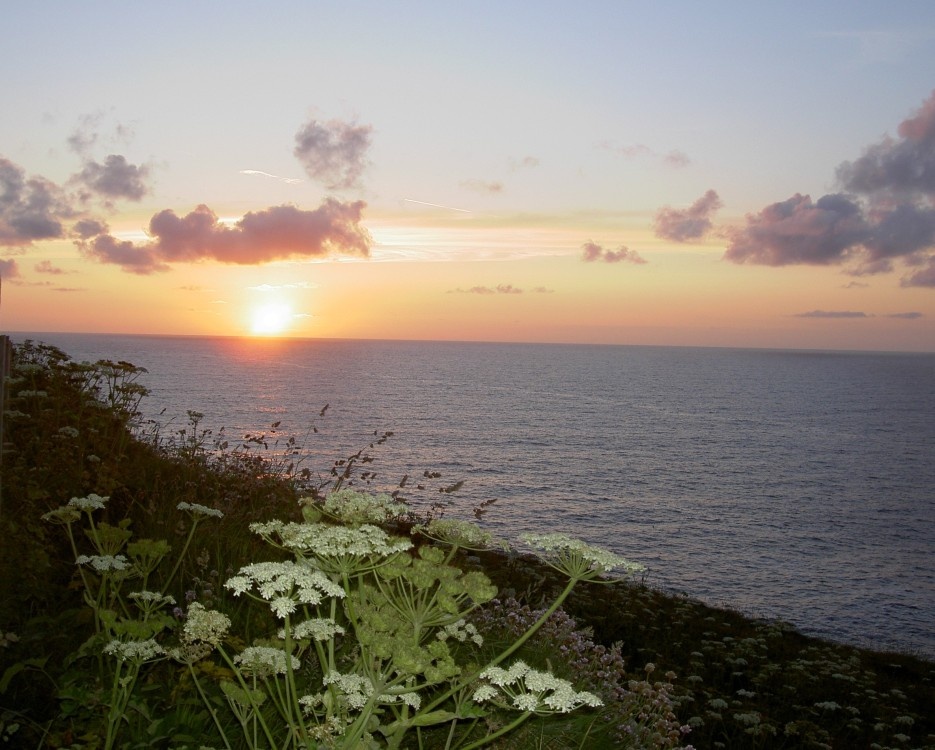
<point x="178" y="591"/>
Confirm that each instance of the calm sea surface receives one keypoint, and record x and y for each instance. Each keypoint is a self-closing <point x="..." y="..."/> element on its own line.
<point x="788" y="484"/>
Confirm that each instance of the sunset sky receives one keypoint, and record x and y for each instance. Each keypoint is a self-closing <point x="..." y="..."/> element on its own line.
<point x="673" y="173"/>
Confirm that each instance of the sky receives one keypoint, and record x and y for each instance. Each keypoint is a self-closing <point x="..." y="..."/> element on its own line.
<point x="675" y="173"/>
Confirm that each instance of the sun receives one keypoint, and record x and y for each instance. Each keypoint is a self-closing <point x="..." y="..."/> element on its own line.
<point x="270" y="319"/>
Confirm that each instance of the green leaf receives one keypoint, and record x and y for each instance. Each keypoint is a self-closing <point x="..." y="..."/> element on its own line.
<point x="14" y="670"/>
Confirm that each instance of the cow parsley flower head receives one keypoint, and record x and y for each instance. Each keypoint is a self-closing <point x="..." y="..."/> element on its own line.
<point x="134" y="651"/>
<point x="461" y="631"/>
<point x="89" y="503"/>
<point x="532" y="691"/>
<point x="457" y="533"/>
<point x="325" y="540"/>
<point x="104" y="563"/>
<point x="353" y="507"/>
<point x="318" y="629"/>
<point x="264" y="661"/>
<point x="284" y="584"/>
<point x="204" y="625"/>
<point x="200" y="510"/>
<point x="576" y="558"/>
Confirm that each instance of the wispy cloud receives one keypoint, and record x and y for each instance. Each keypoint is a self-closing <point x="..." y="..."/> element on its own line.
<point x="499" y="289"/>
<point x="527" y="162"/>
<point x="483" y="186"/>
<point x="831" y="314"/>
<point x="287" y="180"/>
<point x="591" y="252"/>
<point x="8" y="268"/>
<point x="46" y="266"/>
<point x="673" y="158"/>
<point x="906" y="315"/>
<point x="334" y="152"/>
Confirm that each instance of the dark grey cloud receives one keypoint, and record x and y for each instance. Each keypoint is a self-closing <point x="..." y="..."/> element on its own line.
<point x="592" y="252"/>
<point x="31" y="208"/>
<point x="115" y="178"/>
<point x="885" y="214"/>
<point x="334" y="152"/>
<point x="687" y="224"/>
<point x="276" y="233"/>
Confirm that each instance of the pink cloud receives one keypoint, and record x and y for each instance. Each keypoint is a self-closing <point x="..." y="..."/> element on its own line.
<point x="683" y="225"/>
<point x="592" y="252"/>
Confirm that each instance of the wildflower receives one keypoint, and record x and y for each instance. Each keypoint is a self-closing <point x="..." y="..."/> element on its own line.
<point x="460" y="631"/>
<point x="204" y="625"/>
<point x="827" y="706"/>
<point x="200" y="510"/>
<point x="92" y="459"/>
<point x="135" y="651"/>
<point x="534" y="691"/>
<point x="152" y="597"/>
<point x="89" y="503"/>
<point x="7" y="638"/>
<point x="325" y="540"/>
<point x="577" y="559"/>
<point x="68" y="432"/>
<point x="62" y="515"/>
<point x="318" y="629"/>
<point x="263" y="661"/>
<point x="28" y="394"/>
<point x="353" y="507"/>
<point x="284" y="584"/>
<point x="357" y="689"/>
<point x="456" y="533"/>
<point x="103" y="563"/>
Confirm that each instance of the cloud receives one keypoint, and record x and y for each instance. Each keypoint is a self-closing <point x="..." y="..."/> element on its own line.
<point x="906" y="315"/>
<point x="8" y="268"/>
<point x="499" y="289"/>
<point x="481" y="186"/>
<point x="46" y="266"/>
<point x="31" y="209"/>
<point x="673" y="158"/>
<point x="592" y="252"/>
<point x="527" y="162"/>
<point x="275" y="233"/>
<point x="885" y="213"/>
<point x="334" y="153"/>
<point x="831" y="314"/>
<point x="115" y="178"/>
<point x="287" y="180"/>
<point x="800" y="231"/>
<point x="683" y="225"/>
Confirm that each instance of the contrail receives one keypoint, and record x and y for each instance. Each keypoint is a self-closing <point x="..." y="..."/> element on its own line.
<point x="439" y="205"/>
<point x="287" y="180"/>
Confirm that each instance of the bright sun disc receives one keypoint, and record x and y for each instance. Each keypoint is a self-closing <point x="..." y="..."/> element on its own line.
<point x="271" y="319"/>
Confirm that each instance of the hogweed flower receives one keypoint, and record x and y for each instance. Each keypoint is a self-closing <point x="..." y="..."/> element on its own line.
<point x="532" y="691"/>
<point x="457" y="533"/>
<point x="104" y="563"/>
<point x="89" y="503"/>
<point x="264" y="661"/>
<point x="134" y="651"/>
<point x="576" y="558"/>
<point x="284" y="584"/>
<point x="461" y="631"/>
<point x="204" y="625"/>
<point x="325" y="540"/>
<point x="317" y="629"/>
<point x="200" y="510"/>
<point x="353" y="507"/>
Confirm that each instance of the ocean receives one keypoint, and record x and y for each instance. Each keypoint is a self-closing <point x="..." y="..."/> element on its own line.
<point x="792" y="485"/>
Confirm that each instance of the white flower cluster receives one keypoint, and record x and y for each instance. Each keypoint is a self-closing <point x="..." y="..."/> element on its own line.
<point x="284" y="584"/>
<point x="263" y="661"/>
<point x="318" y="629"/>
<point x="68" y="432"/>
<point x="104" y="563"/>
<point x="565" y="552"/>
<point x="352" y="506"/>
<point x="135" y="651"/>
<point x="89" y="503"/>
<point x="200" y="510"/>
<point x="204" y="625"/>
<point x="456" y="532"/>
<point x="533" y="691"/>
<point x="29" y="394"/>
<point x="152" y="597"/>
<point x="460" y="631"/>
<point x="358" y="690"/>
<point x="325" y="540"/>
